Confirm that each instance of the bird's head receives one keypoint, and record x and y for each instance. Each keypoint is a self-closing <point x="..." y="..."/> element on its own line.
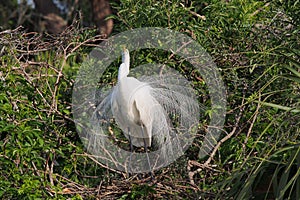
<point x="124" y="67"/>
<point x="125" y="56"/>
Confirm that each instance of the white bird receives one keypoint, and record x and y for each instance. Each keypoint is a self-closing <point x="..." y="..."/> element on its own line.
<point x="159" y="111"/>
<point x="134" y="107"/>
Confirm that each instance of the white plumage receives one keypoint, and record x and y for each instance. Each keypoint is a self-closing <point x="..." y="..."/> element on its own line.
<point x="134" y="107"/>
<point x="158" y="111"/>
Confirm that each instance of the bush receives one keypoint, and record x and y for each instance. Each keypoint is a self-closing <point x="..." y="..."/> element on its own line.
<point x="255" y="44"/>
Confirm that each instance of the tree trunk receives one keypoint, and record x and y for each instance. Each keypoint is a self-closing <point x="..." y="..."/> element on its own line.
<point x="53" y="22"/>
<point x="101" y="10"/>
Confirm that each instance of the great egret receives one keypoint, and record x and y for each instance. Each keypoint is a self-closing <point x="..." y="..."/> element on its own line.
<point x="152" y="111"/>
<point x="135" y="109"/>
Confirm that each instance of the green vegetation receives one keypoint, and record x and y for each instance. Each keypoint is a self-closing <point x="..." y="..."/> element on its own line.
<point x="256" y="46"/>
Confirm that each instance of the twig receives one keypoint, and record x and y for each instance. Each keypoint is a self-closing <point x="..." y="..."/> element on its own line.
<point x="227" y="136"/>
<point x="206" y="164"/>
<point x="99" y="163"/>
<point x="252" y="124"/>
<point x="193" y="13"/>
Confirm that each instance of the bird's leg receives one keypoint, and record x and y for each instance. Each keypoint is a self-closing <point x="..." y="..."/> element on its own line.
<point x="131" y="149"/>
<point x="131" y="146"/>
<point x="146" y="150"/>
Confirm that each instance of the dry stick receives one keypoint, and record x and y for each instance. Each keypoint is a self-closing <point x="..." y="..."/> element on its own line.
<point x="51" y="169"/>
<point x="197" y="15"/>
<point x="99" y="163"/>
<point x="260" y="9"/>
<point x="99" y="187"/>
<point x="124" y="21"/>
<point x="28" y="79"/>
<point x="70" y="182"/>
<point x="31" y="51"/>
<point x="227" y="136"/>
<point x="193" y="13"/>
<point x="9" y="31"/>
<point x="60" y="74"/>
<point x="36" y="170"/>
<point x="41" y="64"/>
<point x="49" y="173"/>
<point x="252" y="124"/>
<point x="206" y="164"/>
<point x="116" y="163"/>
<point x="94" y="39"/>
<point x="183" y="45"/>
<point x="173" y="53"/>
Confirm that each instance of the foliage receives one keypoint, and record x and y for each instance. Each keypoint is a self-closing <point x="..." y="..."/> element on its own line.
<point x="255" y="44"/>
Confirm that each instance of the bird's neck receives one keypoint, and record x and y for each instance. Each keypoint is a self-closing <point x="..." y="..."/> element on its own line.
<point x="123" y="71"/>
<point x="126" y="59"/>
<point x="124" y="67"/>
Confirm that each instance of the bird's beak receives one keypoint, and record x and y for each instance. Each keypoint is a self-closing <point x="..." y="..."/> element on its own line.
<point x="124" y="49"/>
